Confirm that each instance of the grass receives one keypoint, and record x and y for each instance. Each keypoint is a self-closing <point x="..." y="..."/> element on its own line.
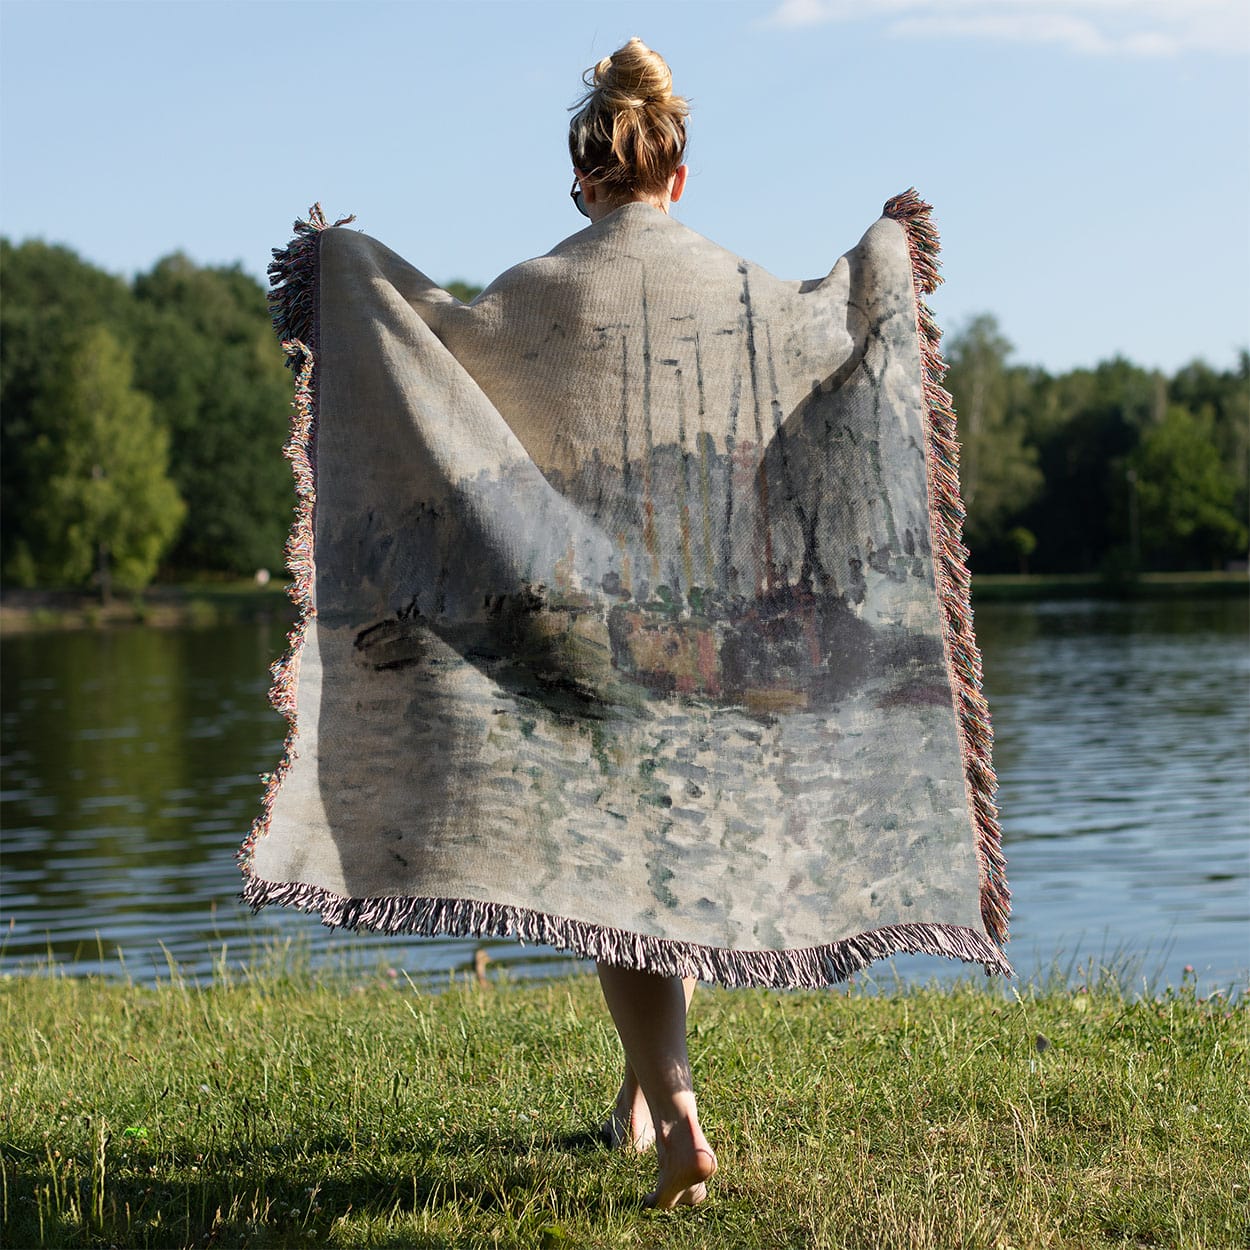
<point x="292" y="1109"/>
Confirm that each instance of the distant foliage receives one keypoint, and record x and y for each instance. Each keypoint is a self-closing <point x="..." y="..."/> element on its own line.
<point x="1187" y="492"/>
<point x="465" y="292"/>
<point x="999" y="474"/>
<point x="106" y="506"/>
<point x="1114" y="469"/>
<point x="52" y="300"/>
<point x="143" y="423"/>
<point x="207" y="354"/>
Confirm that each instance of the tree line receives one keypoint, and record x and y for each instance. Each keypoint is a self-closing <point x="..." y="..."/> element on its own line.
<point x="1113" y="470"/>
<point x="142" y="423"/>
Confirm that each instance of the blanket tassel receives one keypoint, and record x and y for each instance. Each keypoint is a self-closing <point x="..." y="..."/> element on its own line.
<point x="954" y="583"/>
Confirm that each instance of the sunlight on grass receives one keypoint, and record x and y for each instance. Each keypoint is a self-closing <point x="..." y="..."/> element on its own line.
<point x="348" y="1107"/>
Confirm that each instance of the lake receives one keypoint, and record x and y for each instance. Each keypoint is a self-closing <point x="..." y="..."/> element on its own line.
<point x="130" y="775"/>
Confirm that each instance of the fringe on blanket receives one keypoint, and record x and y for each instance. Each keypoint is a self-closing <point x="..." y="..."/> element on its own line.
<point x="954" y="583"/>
<point x="293" y="304"/>
<point x="807" y="968"/>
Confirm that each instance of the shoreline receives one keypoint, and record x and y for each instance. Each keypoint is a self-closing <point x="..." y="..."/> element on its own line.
<point x="172" y="606"/>
<point x="204" y="604"/>
<point x="1014" y="587"/>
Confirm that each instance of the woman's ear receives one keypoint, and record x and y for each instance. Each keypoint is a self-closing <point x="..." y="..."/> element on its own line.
<point x="678" y="184"/>
<point x="588" y="186"/>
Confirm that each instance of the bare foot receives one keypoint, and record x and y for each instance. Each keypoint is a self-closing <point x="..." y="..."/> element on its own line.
<point x="686" y="1165"/>
<point x="629" y="1126"/>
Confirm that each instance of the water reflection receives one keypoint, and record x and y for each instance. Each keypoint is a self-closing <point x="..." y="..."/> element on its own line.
<point x="131" y="763"/>
<point x="131" y="757"/>
<point x="1122" y="733"/>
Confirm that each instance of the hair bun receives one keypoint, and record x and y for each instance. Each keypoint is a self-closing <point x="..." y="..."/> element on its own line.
<point x="634" y="76"/>
<point x="629" y="131"/>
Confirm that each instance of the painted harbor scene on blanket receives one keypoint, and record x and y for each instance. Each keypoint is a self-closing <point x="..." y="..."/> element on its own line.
<point x="644" y="559"/>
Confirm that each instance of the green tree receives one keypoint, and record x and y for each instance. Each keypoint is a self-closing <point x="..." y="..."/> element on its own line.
<point x="105" y="505"/>
<point x="997" y="466"/>
<point x="208" y="358"/>
<point x="1024" y="543"/>
<point x="1185" y="494"/>
<point x="1085" y="424"/>
<point x="1222" y="397"/>
<point x="51" y="299"/>
<point x="464" y="291"/>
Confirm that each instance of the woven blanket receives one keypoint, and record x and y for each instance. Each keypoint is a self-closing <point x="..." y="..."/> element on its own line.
<point x="634" y="616"/>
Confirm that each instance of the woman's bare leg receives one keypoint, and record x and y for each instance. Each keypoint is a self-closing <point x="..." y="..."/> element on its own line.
<point x="650" y="1015"/>
<point x="629" y="1125"/>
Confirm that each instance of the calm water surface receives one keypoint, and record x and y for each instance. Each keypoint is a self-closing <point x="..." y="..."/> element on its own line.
<point x="130" y="762"/>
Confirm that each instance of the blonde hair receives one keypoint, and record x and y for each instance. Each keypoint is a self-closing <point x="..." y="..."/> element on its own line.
<point x="629" y="132"/>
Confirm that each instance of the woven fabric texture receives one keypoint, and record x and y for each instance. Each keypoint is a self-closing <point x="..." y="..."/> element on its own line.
<point x="632" y="614"/>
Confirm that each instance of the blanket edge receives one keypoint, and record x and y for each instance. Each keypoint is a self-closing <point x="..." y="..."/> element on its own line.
<point x="293" y="302"/>
<point x="950" y="564"/>
<point x="797" y="968"/>
<point x="293" y="299"/>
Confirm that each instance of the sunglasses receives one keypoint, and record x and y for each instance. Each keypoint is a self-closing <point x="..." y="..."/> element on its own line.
<point x="576" y="196"/>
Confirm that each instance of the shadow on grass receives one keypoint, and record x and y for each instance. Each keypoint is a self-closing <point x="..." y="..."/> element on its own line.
<point x="262" y="1197"/>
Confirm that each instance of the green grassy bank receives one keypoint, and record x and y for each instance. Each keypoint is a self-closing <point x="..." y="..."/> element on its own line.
<point x="284" y="1110"/>
<point x="188" y="603"/>
<point x="996" y="587"/>
<point x="220" y="602"/>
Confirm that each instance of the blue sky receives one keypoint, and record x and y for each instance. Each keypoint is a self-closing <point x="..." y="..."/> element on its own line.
<point x="1089" y="160"/>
